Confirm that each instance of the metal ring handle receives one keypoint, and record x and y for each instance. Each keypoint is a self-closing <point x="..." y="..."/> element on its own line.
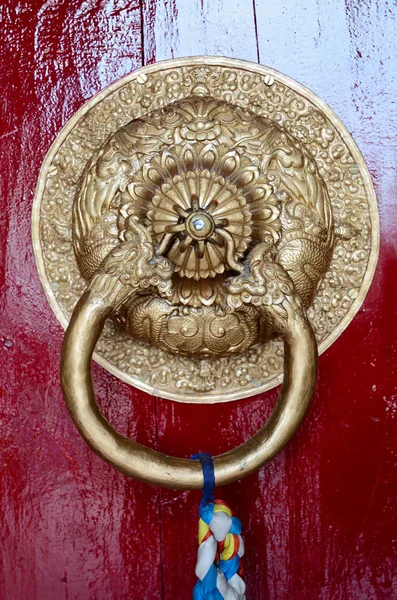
<point x="135" y="460"/>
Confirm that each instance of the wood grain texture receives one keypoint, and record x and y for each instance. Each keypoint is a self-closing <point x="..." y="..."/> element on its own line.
<point x="70" y="526"/>
<point x="319" y="521"/>
<point x="174" y="28"/>
<point x="346" y="53"/>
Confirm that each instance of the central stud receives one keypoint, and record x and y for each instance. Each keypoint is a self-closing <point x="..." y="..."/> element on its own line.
<point x="198" y="224"/>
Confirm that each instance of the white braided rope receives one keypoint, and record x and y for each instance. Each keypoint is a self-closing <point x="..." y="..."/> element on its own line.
<point x="219" y="538"/>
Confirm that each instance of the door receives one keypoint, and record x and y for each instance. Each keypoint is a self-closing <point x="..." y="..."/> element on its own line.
<point x="319" y="521"/>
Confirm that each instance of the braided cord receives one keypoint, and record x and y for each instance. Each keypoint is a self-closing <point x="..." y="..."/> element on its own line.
<point x="221" y="546"/>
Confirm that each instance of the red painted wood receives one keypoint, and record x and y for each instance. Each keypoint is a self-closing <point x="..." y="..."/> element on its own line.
<point x="319" y="521"/>
<point x="70" y="526"/>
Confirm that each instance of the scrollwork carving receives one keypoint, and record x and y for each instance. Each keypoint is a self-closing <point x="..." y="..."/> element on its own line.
<point x="209" y="182"/>
<point x="175" y="143"/>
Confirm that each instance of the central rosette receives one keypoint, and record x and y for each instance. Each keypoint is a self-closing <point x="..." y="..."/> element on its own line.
<point x="204" y="207"/>
<point x="203" y="222"/>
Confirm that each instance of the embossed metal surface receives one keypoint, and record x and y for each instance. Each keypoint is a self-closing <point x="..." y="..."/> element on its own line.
<point x="220" y="178"/>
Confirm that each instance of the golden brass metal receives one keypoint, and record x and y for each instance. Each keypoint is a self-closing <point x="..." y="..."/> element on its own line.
<point x="145" y="464"/>
<point x="206" y="209"/>
<point x="163" y="108"/>
<point x="207" y="206"/>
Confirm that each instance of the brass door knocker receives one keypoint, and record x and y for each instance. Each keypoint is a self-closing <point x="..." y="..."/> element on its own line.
<point x="199" y="210"/>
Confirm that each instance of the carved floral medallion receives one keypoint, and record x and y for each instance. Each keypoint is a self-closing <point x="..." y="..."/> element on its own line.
<point x="245" y="184"/>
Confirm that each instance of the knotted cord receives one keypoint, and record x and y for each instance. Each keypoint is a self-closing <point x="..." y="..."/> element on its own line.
<point x="221" y="546"/>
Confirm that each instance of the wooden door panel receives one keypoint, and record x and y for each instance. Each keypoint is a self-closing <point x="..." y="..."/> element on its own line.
<point x="70" y="526"/>
<point x="311" y="517"/>
<point x="179" y="28"/>
<point x="319" y="520"/>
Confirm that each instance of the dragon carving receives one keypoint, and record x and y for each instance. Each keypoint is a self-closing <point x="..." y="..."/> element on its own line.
<point x="204" y="226"/>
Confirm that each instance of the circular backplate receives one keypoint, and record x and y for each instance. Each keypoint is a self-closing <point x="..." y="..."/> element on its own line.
<point x="264" y="92"/>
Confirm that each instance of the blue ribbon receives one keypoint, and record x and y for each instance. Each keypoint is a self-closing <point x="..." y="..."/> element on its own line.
<point x="208" y="476"/>
<point x="206" y="589"/>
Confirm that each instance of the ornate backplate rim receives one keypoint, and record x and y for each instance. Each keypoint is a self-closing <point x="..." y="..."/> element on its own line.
<point x="225" y="62"/>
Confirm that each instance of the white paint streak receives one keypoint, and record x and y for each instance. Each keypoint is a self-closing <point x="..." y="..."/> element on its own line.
<point x="348" y="60"/>
<point x="205" y="27"/>
<point x="391" y="406"/>
<point x="300" y="40"/>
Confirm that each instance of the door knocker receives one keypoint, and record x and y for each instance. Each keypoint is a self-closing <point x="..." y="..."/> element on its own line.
<point x="191" y="220"/>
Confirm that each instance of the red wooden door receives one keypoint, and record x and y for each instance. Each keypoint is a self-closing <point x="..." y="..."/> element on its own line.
<point x="319" y="521"/>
